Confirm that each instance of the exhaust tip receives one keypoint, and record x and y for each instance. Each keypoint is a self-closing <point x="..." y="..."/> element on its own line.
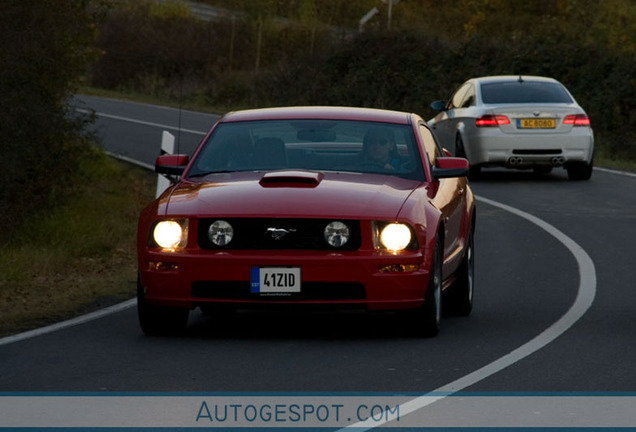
<point x="514" y="161"/>
<point x="557" y="161"/>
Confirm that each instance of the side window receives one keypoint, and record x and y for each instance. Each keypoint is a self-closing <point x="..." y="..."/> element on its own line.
<point x="458" y="97"/>
<point x="429" y="144"/>
<point x="469" y="98"/>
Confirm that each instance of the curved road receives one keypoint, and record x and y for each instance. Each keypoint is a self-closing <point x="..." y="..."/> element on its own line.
<point x="541" y="241"/>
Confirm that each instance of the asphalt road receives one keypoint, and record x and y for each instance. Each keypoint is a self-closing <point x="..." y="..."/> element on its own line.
<point x="554" y="306"/>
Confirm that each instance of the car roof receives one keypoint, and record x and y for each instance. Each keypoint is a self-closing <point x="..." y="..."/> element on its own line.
<point x="507" y="78"/>
<point x="320" y="113"/>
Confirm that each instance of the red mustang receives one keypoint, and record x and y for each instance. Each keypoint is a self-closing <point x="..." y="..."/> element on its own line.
<point x="311" y="206"/>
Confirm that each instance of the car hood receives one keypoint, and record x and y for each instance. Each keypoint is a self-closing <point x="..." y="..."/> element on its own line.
<point x="289" y="194"/>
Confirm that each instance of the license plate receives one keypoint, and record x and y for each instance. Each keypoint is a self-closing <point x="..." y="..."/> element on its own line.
<point x="536" y="123"/>
<point x="275" y="279"/>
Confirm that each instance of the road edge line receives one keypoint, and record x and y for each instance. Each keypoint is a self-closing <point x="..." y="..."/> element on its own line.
<point x="68" y="323"/>
<point x="584" y="299"/>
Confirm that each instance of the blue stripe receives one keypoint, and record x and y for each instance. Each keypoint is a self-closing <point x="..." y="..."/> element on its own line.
<point x="255" y="280"/>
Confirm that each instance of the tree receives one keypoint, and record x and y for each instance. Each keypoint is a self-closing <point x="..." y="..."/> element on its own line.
<point x="45" y="48"/>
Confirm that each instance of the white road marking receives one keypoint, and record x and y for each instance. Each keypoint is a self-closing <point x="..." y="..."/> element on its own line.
<point x="141" y="122"/>
<point x="611" y="171"/>
<point x="68" y="323"/>
<point x="583" y="301"/>
<point x="131" y="161"/>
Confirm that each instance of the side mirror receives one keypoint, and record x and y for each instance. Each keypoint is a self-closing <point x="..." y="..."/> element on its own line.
<point x="438" y="105"/>
<point x="171" y="164"/>
<point x="447" y="167"/>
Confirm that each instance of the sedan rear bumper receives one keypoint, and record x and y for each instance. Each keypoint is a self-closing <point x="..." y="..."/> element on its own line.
<point x="497" y="149"/>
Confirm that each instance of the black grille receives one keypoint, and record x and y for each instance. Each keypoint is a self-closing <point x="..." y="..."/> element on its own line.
<point x="240" y="290"/>
<point x="260" y="234"/>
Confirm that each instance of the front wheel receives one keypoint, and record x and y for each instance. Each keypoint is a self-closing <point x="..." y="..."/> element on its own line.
<point x="463" y="289"/>
<point x="425" y="321"/>
<point x="159" y="320"/>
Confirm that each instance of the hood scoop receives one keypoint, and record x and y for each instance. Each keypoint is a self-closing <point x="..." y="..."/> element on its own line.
<point x="298" y="179"/>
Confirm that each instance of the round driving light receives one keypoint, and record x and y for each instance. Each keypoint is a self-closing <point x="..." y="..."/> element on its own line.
<point x="168" y="234"/>
<point x="395" y="236"/>
<point x="337" y="234"/>
<point x="220" y="233"/>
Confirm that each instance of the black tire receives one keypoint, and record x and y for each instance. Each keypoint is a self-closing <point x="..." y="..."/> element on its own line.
<point x="158" y="320"/>
<point x="460" y="299"/>
<point x="425" y="321"/>
<point x="460" y="151"/>
<point x="459" y="147"/>
<point x="580" y="170"/>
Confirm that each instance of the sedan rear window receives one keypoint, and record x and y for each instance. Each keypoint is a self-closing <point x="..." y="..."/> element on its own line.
<point x="524" y="92"/>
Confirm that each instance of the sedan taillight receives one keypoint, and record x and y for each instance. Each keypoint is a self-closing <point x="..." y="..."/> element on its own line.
<point x="491" y="121"/>
<point x="576" y="120"/>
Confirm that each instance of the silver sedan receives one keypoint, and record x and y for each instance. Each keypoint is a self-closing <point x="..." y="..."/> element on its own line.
<point x="522" y="122"/>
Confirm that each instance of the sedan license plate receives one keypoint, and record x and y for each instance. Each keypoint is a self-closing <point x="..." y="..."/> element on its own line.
<point x="275" y="279"/>
<point x="536" y="123"/>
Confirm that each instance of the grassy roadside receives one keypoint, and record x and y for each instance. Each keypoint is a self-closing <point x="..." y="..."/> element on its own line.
<point x="80" y="256"/>
<point x="601" y="160"/>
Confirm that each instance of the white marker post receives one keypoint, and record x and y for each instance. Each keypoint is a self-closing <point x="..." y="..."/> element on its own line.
<point x="366" y="18"/>
<point x="167" y="147"/>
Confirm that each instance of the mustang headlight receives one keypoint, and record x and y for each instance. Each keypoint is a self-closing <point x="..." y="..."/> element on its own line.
<point x="337" y="234"/>
<point x="395" y="236"/>
<point x="170" y="234"/>
<point x="220" y="233"/>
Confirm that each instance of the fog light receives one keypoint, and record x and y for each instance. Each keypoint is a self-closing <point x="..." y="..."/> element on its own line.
<point x="399" y="268"/>
<point x="162" y="266"/>
<point x="220" y="233"/>
<point x="337" y="234"/>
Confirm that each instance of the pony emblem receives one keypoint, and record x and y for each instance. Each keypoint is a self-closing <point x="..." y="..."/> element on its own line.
<point x="279" y="233"/>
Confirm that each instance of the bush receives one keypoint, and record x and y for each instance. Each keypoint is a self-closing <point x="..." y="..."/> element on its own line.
<point x="46" y="46"/>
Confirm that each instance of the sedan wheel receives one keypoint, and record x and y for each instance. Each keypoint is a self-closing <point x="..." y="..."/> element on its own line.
<point x="157" y="320"/>
<point x="580" y="170"/>
<point x="460" y="151"/>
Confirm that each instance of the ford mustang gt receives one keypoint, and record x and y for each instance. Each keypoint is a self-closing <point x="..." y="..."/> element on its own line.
<point x="521" y="122"/>
<point x="350" y="208"/>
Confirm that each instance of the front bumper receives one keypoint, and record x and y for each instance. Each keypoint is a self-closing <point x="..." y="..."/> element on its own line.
<point x="347" y="280"/>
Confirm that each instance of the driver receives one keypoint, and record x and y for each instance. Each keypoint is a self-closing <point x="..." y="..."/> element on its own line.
<point x="379" y="149"/>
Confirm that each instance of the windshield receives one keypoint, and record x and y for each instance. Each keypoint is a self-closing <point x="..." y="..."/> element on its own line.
<point x="524" y="92"/>
<point x="316" y="145"/>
